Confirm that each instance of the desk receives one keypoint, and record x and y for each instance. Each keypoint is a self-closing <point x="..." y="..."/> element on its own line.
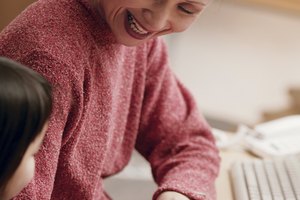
<point x="124" y="185"/>
<point x="223" y="182"/>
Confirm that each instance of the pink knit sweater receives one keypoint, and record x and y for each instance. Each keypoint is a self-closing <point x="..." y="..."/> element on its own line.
<point x="109" y="99"/>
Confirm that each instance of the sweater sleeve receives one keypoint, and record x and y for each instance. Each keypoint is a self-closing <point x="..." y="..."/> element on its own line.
<point x="173" y="136"/>
<point x="47" y="158"/>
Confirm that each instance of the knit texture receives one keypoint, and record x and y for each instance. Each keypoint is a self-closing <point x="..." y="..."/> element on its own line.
<point x="108" y="100"/>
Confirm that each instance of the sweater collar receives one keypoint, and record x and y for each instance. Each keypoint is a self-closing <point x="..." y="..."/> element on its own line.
<point x="101" y="25"/>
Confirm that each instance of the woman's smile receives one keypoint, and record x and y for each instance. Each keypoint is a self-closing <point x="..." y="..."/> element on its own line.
<point x="135" y="21"/>
<point x="134" y="28"/>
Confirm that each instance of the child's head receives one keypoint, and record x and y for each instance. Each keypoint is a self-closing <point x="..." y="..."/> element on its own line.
<point x="25" y="106"/>
<point x="136" y="21"/>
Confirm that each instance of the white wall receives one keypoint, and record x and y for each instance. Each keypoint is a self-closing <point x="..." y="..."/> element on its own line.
<point x="239" y="61"/>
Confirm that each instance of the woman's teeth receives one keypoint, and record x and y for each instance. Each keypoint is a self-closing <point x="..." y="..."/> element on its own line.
<point x="135" y="26"/>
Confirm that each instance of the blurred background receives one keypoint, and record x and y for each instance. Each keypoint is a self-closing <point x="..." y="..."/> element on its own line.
<point x="241" y="60"/>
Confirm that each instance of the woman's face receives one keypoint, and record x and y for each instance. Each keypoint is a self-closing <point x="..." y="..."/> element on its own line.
<point x="136" y="21"/>
<point x="25" y="170"/>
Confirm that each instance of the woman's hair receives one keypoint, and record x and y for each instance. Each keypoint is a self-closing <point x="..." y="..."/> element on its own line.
<point x="25" y="106"/>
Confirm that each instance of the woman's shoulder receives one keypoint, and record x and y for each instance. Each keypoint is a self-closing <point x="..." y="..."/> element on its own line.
<point x="51" y="21"/>
<point x="54" y="27"/>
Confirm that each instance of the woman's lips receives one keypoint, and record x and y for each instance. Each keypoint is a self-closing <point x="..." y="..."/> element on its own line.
<point x="134" y="28"/>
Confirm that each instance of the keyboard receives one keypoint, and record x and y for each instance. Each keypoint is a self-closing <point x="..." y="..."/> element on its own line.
<point x="276" y="179"/>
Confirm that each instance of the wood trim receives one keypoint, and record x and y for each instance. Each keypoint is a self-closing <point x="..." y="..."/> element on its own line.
<point x="9" y="9"/>
<point x="285" y="5"/>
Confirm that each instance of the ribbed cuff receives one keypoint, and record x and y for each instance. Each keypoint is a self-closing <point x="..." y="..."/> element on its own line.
<point x="190" y="195"/>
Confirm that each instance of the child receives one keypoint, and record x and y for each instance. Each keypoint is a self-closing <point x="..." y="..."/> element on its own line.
<point x="25" y="105"/>
<point x="114" y="91"/>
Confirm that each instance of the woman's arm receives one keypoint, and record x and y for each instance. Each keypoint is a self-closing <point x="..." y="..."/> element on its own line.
<point x="174" y="137"/>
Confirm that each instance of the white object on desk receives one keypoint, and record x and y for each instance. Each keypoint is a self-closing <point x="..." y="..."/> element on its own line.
<point x="275" y="138"/>
<point x="226" y="140"/>
<point x="289" y="126"/>
<point x="279" y="137"/>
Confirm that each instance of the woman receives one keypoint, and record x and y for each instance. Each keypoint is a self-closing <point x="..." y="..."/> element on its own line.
<point x="114" y="91"/>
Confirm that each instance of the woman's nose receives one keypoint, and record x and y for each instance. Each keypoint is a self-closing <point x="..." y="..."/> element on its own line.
<point x="158" y="19"/>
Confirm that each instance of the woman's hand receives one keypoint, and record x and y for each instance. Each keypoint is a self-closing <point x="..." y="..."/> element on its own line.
<point x="171" y="195"/>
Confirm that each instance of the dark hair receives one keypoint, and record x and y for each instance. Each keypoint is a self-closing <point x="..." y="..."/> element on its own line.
<point x="25" y="106"/>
